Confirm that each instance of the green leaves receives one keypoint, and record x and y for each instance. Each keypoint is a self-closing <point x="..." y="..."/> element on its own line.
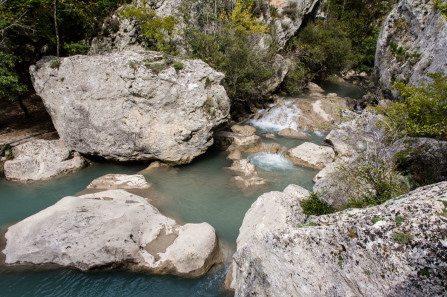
<point x="423" y="110"/>
<point x="10" y="86"/>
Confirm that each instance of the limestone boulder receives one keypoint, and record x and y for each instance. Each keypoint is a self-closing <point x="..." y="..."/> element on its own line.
<point x="243" y="167"/>
<point x="420" y="31"/>
<point x="119" y="181"/>
<point x="355" y="133"/>
<point x="260" y="218"/>
<point x="398" y="248"/>
<point x="133" y="105"/>
<point x="42" y="160"/>
<point x="112" y="229"/>
<point x="292" y="133"/>
<point x="311" y="155"/>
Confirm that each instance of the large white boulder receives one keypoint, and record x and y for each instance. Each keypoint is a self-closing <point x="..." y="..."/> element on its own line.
<point x="133" y="105"/>
<point x="394" y="249"/>
<point x="311" y="155"/>
<point x="41" y="160"/>
<point x="120" y="181"/>
<point x="112" y="229"/>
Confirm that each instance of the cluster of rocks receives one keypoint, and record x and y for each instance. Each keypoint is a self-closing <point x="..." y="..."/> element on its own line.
<point x="112" y="228"/>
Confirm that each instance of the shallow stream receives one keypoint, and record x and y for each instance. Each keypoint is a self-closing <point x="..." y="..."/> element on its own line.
<point x="198" y="192"/>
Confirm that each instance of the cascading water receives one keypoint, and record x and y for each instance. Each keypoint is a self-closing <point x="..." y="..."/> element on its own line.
<point x="278" y="117"/>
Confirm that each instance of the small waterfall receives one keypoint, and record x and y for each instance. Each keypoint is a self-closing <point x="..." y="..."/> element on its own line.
<point x="271" y="162"/>
<point x="280" y="116"/>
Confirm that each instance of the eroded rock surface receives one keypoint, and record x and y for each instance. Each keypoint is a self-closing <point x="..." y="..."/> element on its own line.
<point x="311" y="155"/>
<point x="112" y="229"/>
<point x="133" y="105"/>
<point x="41" y="160"/>
<point x="421" y="32"/>
<point x="398" y="248"/>
<point x="119" y="181"/>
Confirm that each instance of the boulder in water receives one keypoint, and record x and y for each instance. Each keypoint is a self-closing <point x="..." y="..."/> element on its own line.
<point x="292" y="133"/>
<point x="119" y="181"/>
<point x="133" y="105"/>
<point x="112" y="229"/>
<point x="311" y="155"/>
<point x="42" y="160"/>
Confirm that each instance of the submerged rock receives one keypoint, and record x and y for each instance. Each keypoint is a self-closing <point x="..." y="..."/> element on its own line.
<point x="120" y="181"/>
<point x="133" y="105"/>
<point x="398" y="248"/>
<point x="41" y="160"/>
<point x="112" y="229"/>
<point x="311" y="155"/>
<point x="411" y="44"/>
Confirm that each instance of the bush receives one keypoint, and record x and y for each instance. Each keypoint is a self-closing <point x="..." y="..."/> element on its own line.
<point x="158" y="31"/>
<point x="323" y="49"/>
<point x="10" y="86"/>
<point x="422" y="112"/>
<point x="314" y="206"/>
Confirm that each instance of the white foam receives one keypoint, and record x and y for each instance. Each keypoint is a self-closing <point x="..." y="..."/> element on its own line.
<point x="271" y="162"/>
<point x="278" y="117"/>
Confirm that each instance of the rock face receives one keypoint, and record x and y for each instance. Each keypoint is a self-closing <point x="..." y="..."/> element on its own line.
<point x="133" y="105"/>
<point x="421" y="32"/>
<point x="311" y="155"/>
<point x="119" y="181"/>
<point x="395" y="249"/>
<point x="41" y="160"/>
<point x="292" y="13"/>
<point x="112" y="229"/>
<point x="354" y="134"/>
<point x="260" y="218"/>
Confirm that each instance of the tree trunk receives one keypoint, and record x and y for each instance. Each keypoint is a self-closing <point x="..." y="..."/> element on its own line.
<point x="56" y="28"/>
<point x="23" y="107"/>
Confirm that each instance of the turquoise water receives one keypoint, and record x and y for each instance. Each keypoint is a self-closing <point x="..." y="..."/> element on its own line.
<point x="198" y="192"/>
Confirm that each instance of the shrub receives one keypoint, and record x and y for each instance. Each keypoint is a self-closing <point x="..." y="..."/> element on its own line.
<point x="423" y="110"/>
<point x="178" y="66"/>
<point x="55" y="63"/>
<point x="314" y="206"/>
<point x="440" y="6"/>
<point x="402" y="238"/>
<point x="323" y="49"/>
<point x="10" y="86"/>
<point x="158" y="31"/>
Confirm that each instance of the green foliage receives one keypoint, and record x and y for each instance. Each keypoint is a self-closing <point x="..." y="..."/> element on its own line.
<point x="178" y="66"/>
<point x="423" y="110"/>
<point x="402" y="238"/>
<point x="361" y="21"/>
<point x="376" y="179"/>
<point x="377" y="219"/>
<point x="402" y="55"/>
<point x="440" y="6"/>
<point x="158" y="31"/>
<point x="76" y="48"/>
<point x="10" y="86"/>
<point x="297" y="79"/>
<point x="314" y="206"/>
<point x="323" y="49"/>
<point x="399" y="220"/>
<point x="55" y="63"/>
<point x="235" y="53"/>
<point x="243" y="20"/>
